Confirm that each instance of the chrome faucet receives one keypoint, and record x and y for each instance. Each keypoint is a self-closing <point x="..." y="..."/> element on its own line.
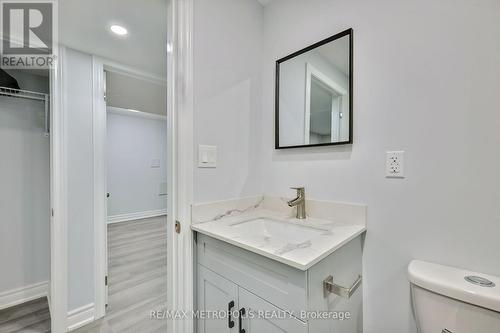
<point x="300" y="202"/>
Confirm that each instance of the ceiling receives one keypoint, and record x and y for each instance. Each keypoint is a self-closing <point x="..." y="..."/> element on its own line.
<point x="84" y="25"/>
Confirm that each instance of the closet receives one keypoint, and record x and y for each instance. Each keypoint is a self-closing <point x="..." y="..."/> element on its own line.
<point x="24" y="187"/>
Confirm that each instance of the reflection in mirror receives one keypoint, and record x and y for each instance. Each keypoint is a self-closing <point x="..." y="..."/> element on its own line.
<point x="313" y="105"/>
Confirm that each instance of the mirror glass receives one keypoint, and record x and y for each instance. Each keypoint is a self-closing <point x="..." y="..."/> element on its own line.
<point x="313" y="94"/>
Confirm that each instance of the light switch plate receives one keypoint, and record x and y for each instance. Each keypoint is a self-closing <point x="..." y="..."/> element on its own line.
<point x="207" y="156"/>
<point x="155" y="163"/>
<point x="395" y="164"/>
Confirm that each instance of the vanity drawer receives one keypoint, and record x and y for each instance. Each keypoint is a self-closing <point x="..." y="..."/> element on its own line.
<point x="279" y="284"/>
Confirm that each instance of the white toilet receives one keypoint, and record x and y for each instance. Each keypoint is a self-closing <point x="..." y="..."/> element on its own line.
<point x="452" y="300"/>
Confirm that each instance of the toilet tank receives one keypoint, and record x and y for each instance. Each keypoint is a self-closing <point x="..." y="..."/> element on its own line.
<point x="452" y="300"/>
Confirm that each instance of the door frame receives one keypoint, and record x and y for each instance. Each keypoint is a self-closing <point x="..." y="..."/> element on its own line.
<point x="99" y="117"/>
<point x="180" y="280"/>
<point x="58" y="197"/>
<point x="180" y="120"/>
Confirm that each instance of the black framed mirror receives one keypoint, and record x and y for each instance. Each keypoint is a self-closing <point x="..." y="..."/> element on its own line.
<point x="313" y="99"/>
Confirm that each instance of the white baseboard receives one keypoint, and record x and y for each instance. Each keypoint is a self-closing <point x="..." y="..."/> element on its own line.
<point x="81" y="316"/>
<point x="24" y="294"/>
<point x="136" y="216"/>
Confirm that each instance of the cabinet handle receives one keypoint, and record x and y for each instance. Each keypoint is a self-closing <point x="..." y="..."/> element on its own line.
<point x="330" y="287"/>
<point x="230" y="321"/>
<point x="240" y="317"/>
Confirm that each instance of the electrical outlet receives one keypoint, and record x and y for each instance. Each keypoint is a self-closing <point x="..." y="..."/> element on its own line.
<point x="395" y="164"/>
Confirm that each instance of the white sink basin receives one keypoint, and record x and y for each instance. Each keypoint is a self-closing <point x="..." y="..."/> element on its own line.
<point x="277" y="230"/>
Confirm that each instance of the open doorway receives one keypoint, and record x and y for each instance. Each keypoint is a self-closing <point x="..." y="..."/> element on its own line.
<point x="116" y="69"/>
<point x="136" y="182"/>
<point x="78" y="177"/>
<point x="130" y="198"/>
<point x="326" y="108"/>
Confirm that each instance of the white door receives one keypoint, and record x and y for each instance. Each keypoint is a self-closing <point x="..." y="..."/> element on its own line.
<point x="216" y="294"/>
<point x="274" y="321"/>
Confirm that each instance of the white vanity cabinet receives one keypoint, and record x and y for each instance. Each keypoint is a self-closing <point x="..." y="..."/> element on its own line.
<point x="272" y="324"/>
<point x="231" y="278"/>
<point x="216" y="293"/>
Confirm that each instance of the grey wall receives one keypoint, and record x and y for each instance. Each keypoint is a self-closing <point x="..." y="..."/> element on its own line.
<point x="132" y="145"/>
<point x="426" y="80"/>
<point x="78" y="88"/>
<point x="24" y="194"/>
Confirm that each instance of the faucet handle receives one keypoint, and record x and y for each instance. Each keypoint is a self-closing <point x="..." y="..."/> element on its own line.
<point x="299" y="189"/>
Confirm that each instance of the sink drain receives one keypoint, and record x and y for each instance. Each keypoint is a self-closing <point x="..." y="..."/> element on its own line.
<point x="480" y="281"/>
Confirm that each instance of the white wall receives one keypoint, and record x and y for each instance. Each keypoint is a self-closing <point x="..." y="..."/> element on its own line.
<point x="227" y="94"/>
<point x="78" y="88"/>
<point x="24" y="194"/>
<point x="132" y="144"/>
<point x="426" y="80"/>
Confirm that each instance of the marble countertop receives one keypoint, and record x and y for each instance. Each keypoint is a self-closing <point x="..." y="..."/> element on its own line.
<point x="312" y="241"/>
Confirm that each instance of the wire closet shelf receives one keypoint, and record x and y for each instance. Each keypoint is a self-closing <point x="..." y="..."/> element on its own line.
<point x="32" y="95"/>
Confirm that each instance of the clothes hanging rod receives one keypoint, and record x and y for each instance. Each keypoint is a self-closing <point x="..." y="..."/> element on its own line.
<point x="11" y="92"/>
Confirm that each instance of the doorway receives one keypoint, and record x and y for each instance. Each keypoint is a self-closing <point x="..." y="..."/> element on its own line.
<point x="136" y="185"/>
<point x="130" y="156"/>
<point x="74" y="105"/>
<point x="326" y="111"/>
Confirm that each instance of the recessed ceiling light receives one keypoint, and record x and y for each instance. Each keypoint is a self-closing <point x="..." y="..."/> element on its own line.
<point x="119" y="30"/>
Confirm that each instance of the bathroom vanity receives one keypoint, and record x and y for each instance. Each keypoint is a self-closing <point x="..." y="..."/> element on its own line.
<point x="274" y="273"/>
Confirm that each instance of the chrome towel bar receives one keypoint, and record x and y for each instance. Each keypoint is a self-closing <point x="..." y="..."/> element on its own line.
<point x="330" y="287"/>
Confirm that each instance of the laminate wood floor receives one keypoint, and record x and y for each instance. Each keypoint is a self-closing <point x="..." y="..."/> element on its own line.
<point x="30" y="317"/>
<point x="137" y="279"/>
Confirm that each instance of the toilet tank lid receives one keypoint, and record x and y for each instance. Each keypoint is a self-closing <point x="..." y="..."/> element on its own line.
<point x="450" y="282"/>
